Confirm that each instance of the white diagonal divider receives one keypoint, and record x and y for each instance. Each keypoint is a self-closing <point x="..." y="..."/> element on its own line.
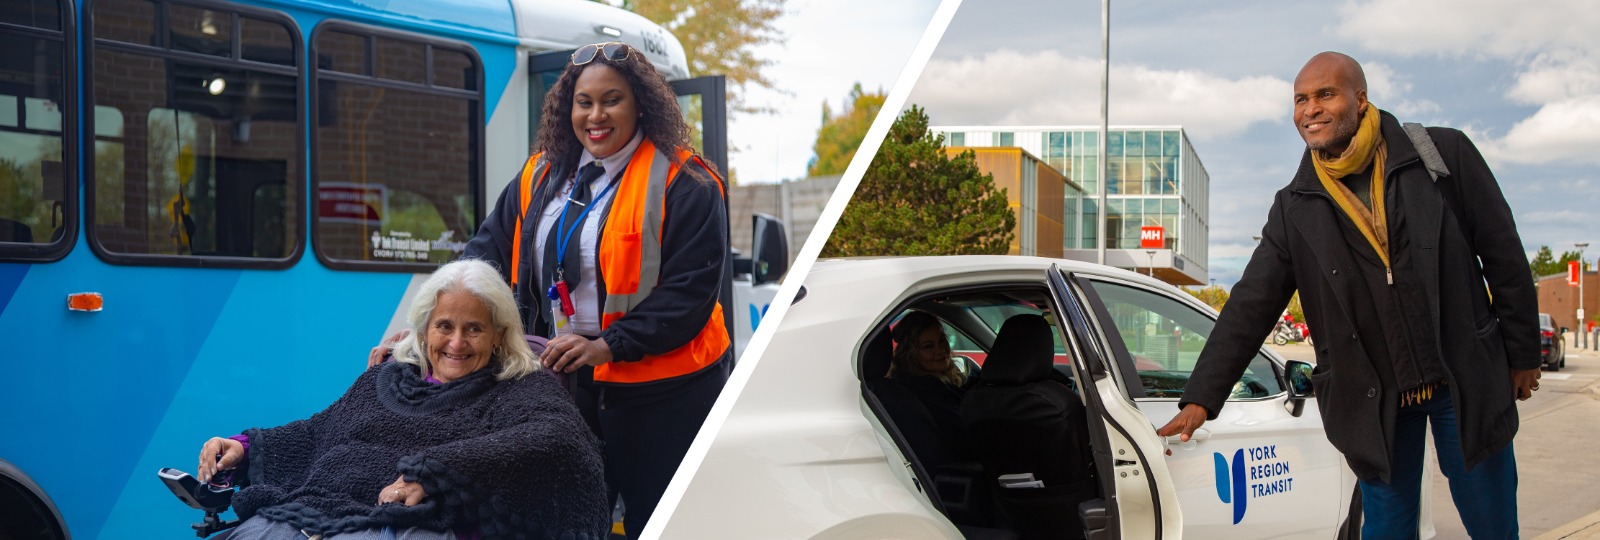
<point x="751" y="358"/>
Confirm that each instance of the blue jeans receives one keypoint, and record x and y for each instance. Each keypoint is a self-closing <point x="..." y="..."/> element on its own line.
<point x="1485" y="496"/>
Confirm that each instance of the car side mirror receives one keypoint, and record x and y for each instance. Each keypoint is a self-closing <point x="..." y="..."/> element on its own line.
<point x="1563" y="329"/>
<point x="1298" y="376"/>
<point x="770" y="244"/>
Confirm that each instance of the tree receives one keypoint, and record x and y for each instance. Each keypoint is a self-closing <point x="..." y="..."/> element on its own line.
<point x="1214" y="296"/>
<point x="22" y="200"/>
<point x="721" y="37"/>
<point x="914" y="200"/>
<point x="841" y="135"/>
<point x="1543" y="264"/>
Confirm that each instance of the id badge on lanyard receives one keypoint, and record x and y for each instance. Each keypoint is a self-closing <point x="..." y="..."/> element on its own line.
<point x="561" y="308"/>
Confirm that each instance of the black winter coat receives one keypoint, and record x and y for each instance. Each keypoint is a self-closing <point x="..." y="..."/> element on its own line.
<point x="1464" y="236"/>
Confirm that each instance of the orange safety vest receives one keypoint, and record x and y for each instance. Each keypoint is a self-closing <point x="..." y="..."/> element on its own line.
<point x="630" y="260"/>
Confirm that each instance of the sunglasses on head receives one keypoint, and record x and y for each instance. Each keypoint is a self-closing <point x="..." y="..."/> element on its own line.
<point x="615" y="51"/>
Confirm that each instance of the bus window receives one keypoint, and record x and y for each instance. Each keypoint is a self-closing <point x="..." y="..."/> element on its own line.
<point x="37" y="206"/>
<point x="397" y="161"/>
<point x="197" y="144"/>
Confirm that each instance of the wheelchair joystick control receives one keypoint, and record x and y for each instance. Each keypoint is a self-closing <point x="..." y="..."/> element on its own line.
<point x="212" y="499"/>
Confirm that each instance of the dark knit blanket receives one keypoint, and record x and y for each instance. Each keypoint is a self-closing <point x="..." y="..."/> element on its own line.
<point x="512" y="458"/>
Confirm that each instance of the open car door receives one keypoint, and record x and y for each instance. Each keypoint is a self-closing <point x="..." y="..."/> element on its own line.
<point x="1263" y="467"/>
<point x="1141" y="499"/>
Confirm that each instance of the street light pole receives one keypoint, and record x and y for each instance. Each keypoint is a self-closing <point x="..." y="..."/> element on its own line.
<point x="1582" y="336"/>
<point x="1105" y="124"/>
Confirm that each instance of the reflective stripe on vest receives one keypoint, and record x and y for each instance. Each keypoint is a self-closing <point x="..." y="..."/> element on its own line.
<point x="534" y="168"/>
<point x="630" y="261"/>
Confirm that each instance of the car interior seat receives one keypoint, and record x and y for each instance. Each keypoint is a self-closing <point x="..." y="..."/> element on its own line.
<point x="1030" y="432"/>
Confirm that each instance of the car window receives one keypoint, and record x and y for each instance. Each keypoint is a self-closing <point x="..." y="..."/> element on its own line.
<point x="994" y="316"/>
<point x="1164" y="337"/>
<point x="960" y="343"/>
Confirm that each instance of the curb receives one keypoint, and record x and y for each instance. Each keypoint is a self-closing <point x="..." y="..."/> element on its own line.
<point x="1584" y="527"/>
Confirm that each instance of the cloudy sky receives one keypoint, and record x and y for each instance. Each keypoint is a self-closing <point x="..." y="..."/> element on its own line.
<point x="831" y="45"/>
<point x="1523" y="79"/>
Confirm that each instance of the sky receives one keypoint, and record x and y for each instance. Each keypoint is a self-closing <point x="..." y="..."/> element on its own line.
<point x="1521" y="79"/>
<point x="830" y="46"/>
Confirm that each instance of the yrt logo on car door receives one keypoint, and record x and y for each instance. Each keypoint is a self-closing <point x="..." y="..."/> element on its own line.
<point x="1251" y="473"/>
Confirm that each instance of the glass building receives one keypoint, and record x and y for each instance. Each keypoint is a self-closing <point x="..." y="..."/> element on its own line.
<point x="1153" y="178"/>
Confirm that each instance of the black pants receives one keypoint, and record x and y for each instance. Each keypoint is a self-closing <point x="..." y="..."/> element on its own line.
<point x="646" y="430"/>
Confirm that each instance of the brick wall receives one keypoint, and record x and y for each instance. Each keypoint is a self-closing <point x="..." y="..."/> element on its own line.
<point x="1560" y="300"/>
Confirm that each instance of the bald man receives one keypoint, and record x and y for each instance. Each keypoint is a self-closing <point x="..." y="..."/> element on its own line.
<point x="1391" y="266"/>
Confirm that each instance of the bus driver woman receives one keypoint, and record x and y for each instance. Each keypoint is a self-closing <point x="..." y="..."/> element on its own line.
<point x="614" y="238"/>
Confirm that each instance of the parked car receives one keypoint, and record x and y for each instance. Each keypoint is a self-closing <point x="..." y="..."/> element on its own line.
<point x="809" y="449"/>
<point x="1552" y="343"/>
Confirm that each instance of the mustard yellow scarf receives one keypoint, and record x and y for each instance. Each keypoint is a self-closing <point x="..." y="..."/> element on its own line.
<point x="1366" y="148"/>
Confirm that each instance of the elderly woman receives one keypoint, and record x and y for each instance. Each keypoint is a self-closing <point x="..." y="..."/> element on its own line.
<point x="465" y="435"/>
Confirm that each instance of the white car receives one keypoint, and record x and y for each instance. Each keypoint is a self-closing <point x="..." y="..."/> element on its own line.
<point x="808" y="451"/>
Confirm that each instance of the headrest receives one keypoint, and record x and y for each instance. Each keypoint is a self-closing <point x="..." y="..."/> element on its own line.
<point x="875" y="360"/>
<point x="1023" y="352"/>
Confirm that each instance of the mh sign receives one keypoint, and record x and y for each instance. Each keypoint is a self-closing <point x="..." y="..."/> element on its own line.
<point x="1152" y="237"/>
<point x="1572" y="273"/>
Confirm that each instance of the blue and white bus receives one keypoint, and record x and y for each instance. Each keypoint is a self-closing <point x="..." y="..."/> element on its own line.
<point x="211" y="210"/>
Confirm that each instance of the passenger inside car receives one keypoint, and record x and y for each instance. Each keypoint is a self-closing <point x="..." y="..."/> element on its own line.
<point x="962" y="446"/>
<point x="922" y="366"/>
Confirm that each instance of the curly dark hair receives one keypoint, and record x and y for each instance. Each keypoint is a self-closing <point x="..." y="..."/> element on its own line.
<point x="662" y="121"/>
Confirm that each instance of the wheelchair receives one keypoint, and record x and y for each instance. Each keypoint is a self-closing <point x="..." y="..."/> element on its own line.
<point x="213" y="499"/>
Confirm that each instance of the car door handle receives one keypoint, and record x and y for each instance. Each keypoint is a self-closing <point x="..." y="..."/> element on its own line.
<point x="1199" y="435"/>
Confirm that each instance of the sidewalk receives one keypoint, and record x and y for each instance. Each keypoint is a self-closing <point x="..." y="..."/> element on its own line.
<point x="1586" y="527"/>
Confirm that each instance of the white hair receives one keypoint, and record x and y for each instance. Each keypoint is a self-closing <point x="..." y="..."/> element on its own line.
<point x="483" y="282"/>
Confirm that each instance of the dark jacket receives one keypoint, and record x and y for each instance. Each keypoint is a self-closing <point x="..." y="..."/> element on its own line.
<point x="512" y="458"/>
<point x="694" y="252"/>
<point x="1463" y="235"/>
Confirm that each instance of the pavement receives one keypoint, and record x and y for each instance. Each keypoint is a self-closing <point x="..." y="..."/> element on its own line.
<point x="1558" y="495"/>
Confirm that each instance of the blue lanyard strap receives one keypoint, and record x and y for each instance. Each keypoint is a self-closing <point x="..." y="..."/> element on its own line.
<point x="563" y="239"/>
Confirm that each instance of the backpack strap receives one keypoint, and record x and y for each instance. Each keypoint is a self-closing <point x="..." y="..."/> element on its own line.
<point x="1425" y="148"/>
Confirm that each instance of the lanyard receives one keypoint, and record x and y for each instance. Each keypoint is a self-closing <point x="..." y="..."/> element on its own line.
<point x="563" y="239"/>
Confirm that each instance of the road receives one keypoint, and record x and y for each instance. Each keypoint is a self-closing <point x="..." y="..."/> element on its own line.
<point x="1559" y="482"/>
